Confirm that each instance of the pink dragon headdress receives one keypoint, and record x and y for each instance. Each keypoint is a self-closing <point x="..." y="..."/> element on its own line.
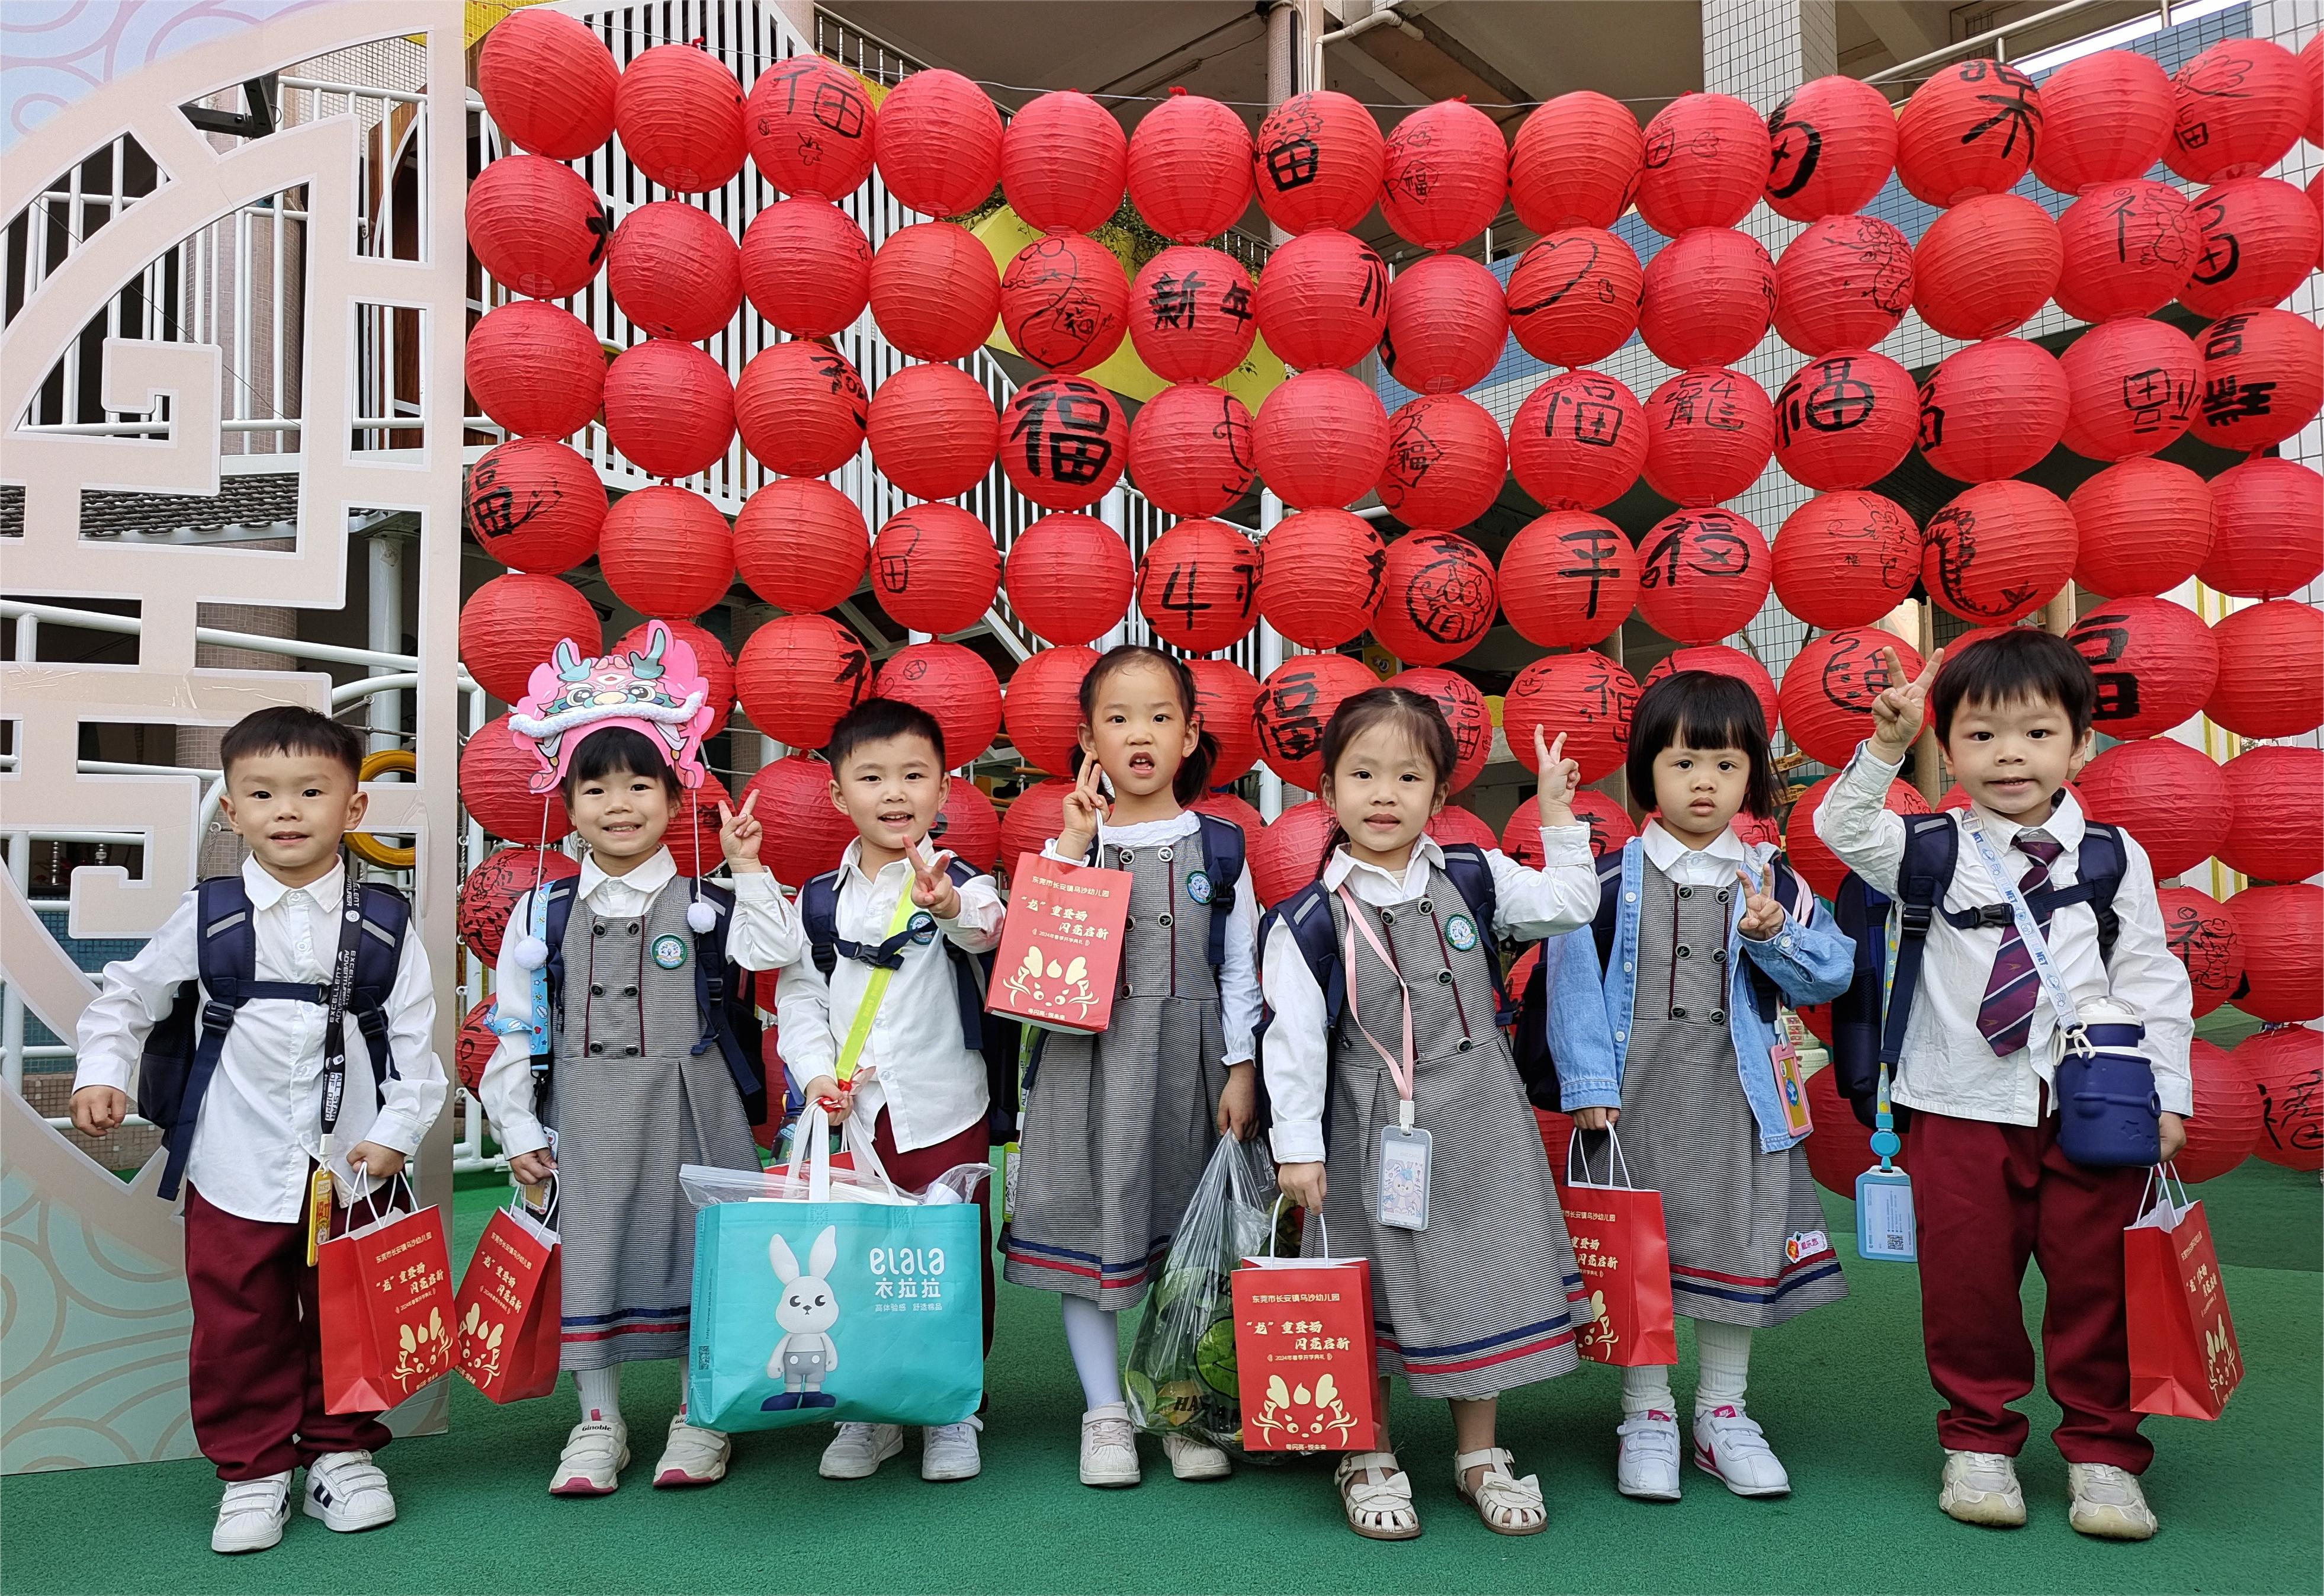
<point x="658" y="690"/>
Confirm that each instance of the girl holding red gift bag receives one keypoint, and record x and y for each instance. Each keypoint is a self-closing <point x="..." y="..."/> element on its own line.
<point x="1383" y="1052"/>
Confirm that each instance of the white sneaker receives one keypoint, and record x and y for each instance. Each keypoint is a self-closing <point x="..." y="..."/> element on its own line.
<point x="948" y="1452"/>
<point x="1646" y="1466"/>
<point x="1730" y="1444"/>
<point x="1981" y="1488"/>
<point x="252" y="1514"/>
<point x="347" y="1492"/>
<point x="2108" y="1503"/>
<point x="1193" y="1458"/>
<point x="1109" y="1447"/>
<point x="857" y="1451"/>
<point x="692" y="1456"/>
<point x="595" y="1453"/>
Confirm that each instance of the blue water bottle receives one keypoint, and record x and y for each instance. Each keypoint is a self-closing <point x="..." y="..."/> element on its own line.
<point x="2108" y="1114"/>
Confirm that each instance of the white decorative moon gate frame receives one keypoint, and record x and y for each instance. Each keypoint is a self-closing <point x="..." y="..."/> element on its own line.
<point x="93" y="1347"/>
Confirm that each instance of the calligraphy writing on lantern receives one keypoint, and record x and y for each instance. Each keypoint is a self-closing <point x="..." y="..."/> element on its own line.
<point x="1172" y="302"/>
<point x="1797" y="148"/>
<point x="1594" y="547"/>
<point x="1703" y="399"/>
<point x="833" y="102"/>
<point x="1593" y="411"/>
<point x="1288" y="717"/>
<point x="1824" y="396"/>
<point x="1703" y="545"/>
<point x="2103" y="641"/>
<point x="2013" y="111"/>
<point x="1063" y="426"/>
<point x="1855" y="673"/>
<point x="1293" y="153"/>
<point x="2149" y="396"/>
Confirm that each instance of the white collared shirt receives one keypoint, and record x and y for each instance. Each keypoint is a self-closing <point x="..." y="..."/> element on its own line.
<point x="260" y="1121"/>
<point x="922" y="1070"/>
<point x="1949" y="1067"/>
<point x="1531" y="905"/>
<point x="1714" y="864"/>
<point x="765" y="934"/>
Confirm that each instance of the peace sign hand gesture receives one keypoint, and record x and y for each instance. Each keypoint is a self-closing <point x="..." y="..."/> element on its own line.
<point x="1561" y="778"/>
<point x="1085" y="806"/>
<point x="739" y="831"/>
<point x="1763" y="916"/>
<point x="1898" y="712"/>
<point x="932" y="886"/>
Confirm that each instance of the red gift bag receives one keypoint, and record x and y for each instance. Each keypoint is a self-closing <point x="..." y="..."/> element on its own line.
<point x="1623" y="1252"/>
<point x="1305" y="1362"/>
<point x="1059" y="962"/>
<point x="2183" y="1357"/>
<point x="386" y="1314"/>
<point x="508" y="1309"/>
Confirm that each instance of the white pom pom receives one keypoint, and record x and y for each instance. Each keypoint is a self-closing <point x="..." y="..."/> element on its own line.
<point x="532" y="953"/>
<point x="701" y="916"/>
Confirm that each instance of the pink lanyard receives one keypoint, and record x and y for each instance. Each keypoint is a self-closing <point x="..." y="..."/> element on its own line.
<point x="1398" y="1070"/>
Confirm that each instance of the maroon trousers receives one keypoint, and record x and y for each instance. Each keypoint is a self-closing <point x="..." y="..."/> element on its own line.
<point x="915" y="1169"/>
<point x="257" y="1362"/>
<point x="1988" y="1197"/>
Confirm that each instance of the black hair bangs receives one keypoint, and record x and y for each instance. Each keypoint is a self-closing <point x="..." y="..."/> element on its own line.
<point x="619" y="751"/>
<point x="291" y="728"/>
<point x="1700" y="709"/>
<point x="2023" y="665"/>
<point x="882" y="720"/>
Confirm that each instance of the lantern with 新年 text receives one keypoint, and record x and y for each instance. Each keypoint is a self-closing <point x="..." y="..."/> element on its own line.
<point x="710" y="657"/>
<point x="1445" y="172"/>
<point x="2283" y="983"/>
<point x="1579" y="441"/>
<point x="1321" y="439"/>
<point x="806" y="267"/>
<point x="1189" y="166"/>
<point x="1198" y="586"/>
<point x="1322" y="300"/>
<point x="1437" y="598"/>
<point x="2260" y="242"/>
<point x="955" y="684"/>
<point x="2286" y="1065"/>
<point x="2141" y="526"/>
<point x="1985" y="265"/>
<point x="2130" y="388"/>
<point x="1317" y="162"/>
<point x="1843" y="283"/>
<point x="666" y="551"/>
<point x="800" y="544"/>
<point x="488" y="893"/>
<point x="1043" y="708"/>
<point x="2128" y="249"/>
<point x="939" y="144"/>
<point x="2236" y="110"/>
<point x="1710" y="433"/>
<point x="1033" y="818"/>
<point x="2155" y="662"/>
<point x="1721" y="661"/>
<point x="1290" y="853"/>
<point x="678" y="111"/>
<point x="1575" y="297"/>
<point x="1703" y="575"/>
<point x="1447" y="461"/>
<point x="801" y="408"/>
<point x="1063" y="443"/>
<point x="806" y="833"/>
<point x="1998" y="551"/>
<point x="1828" y="690"/>
<point x="2206" y="937"/>
<point x="2262" y="378"/>
<point x="537" y="227"/>
<point x="535" y="505"/>
<point x="1846" y="558"/>
<point x="935" y="290"/>
<point x="1295" y="703"/>
<point x="2269" y="541"/>
<point x="1446" y="325"/>
<point x="1069" y="577"/>
<point x="1705" y="164"/>
<point x="1834" y="145"/>
<point x="1993" y="410"/>
<point x="810" y="127"/>
<point x="1191" y="450"/>
<point x="797" y="675"/>
<point x="1569" y="579"/>
<point x="1322" y="576"/>
<point x="1608" y="823"/>
<point x="514" y="621"/>
<point x="1465" y="712"/>
<point x="935" y="567"/>
<point x="1709" y="296"/>
<point x="1191" y="317"/>
<point x="1575" y="163"/>
<point x="968" y="826"/>
<point x="2271" y="679"/>
<point x="2105" y="117"/>
<point x="675" y="272"/>
<point x="1065" y="303"/>
<point x="1969" y="129"/>
<point x="2170" y="796"/>
<point x="537" y="369"/>
<point x="1846" y="419"/>
<point x="1225" y="695"/>
<point x="932" y="430"/>
<point x="548" y="83"/>
<point x="1585" y="695"/>
<point x="2277" y="834"/>
<point x="1064" y="163"/>
<point x="2224" y="1128"/>
<point x="1811" y="858"/>
<point x="670" y="408"/>
<point x="495" y="782"/>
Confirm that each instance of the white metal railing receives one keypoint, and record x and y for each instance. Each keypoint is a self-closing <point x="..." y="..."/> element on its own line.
<point x="2164" y="14"/>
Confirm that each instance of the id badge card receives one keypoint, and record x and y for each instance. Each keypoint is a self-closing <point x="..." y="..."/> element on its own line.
<point x="320" y="1193"/>
<point x="1404" y="1179"/>
<point x="1791" y="1087"/>
<point x="1884" y="1227"/>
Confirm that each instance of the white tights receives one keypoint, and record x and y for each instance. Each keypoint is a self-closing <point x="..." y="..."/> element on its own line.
<point x="1096" y="1346"/>
<point x="601" y="1392"/>
<point x="1726" y="1356"/>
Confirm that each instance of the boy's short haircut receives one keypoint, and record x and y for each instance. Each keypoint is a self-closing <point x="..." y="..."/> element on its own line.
<point x="2023" y="665"/>
<point x="880" y="720"/>
<point x="291" y="728"/>
<point x="617" y="750"/>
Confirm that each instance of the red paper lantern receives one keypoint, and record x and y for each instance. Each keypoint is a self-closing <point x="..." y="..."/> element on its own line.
<point x="811" y="127"/>
<point x="1585" y="695"/>
<point x="1846" y="419"/>
<point x="710" y="657"/>
<point x="2270" y="516"/>
<point x="675" y="272"/>
<point x="1289" y="854"/>
<point x="1815" y="862"/>
<point x="679" y="114"/>
<point x="1709" y="297"/>
<point x="801" y="544"/>
<point x="495" y="779"/>
<point x="473" y="1047"/>
<point x="670" y="408"/>
<point x="1191" y="449"/>
<point x="694" y="821"/>
<point x="1721" y="661"/>
<point x="1443" y="174"/>
<point x="1569" y="579"/>
<point x="806" y="833"/>
<point x="2130" y="388"/>
<point x="1998" y="551"/>
<point x="1226" y="806"/>
<point x="1063" y="160"/>
<point x="2260" y="242"/>
<point x="1970" y="129"/>
<point x="2128" y="249"/>
<point x="1317" y="162"/>
<point x="1985" y="265"/>
<point x="932" y="430"/>
<point x="1828" y="690"/>
<point x="2171" y="797"/>
<point x="537" y="227"/>
<point x="1834" y="143"/>
<point x="2140" y="527"/>
<point x="1473" y="733"/>
<point x="1579" y="441"/>
<point x="1703" y="574"/>
<point x="1608" y="823"/>
<point x="1837" y="1151"/>
<point x="1190" y="313"/>
<point x="2284" y="976"/>
<point x="2105" y="118"/>
<point x="1044" y="707"/>
<point x="1295" y="703"/>
<point x="1710" y="433"/>
<point x="2155" y="663"/>
<point x="537" y="369"/>
<point x="806" y="267"/>
<point x="969" y="826"/>
<point x="2278" y="831"/>
<point x="955" y="686"/>
<point x="489" y="892"/>
<point x="1065" y="303"/>
<point x="1706" y="159"/>
<point x="801" y="408"/>
<point x="797" y="675"/>
<point x="1453" y="825"/>
<point x="1846" y="560"/>
<point x="2286" y="1069"/>
<point x="1224" y="696"/>
<point x="1437" y="598"/>
<point x="1063" y="442"/>
<point x="935" y="290"/>
<point x="1575" y="297"/>
<point x="1198" y="586"/>
<point x="535" y="505"/>
<point x="1992" y="410"/>
<point x="1844" y="284"/>
<point x="2205" y="935"/>
<point x="515" y="622"/>
<point x="1446" y="325"/>
<point x="1321" y="439"/>
<point x="934" y="568"/>
<point x="548" y="83"/>
<point x="1189" y="164"/>
<point x="1032" y="820"/>
<point x="1447" y="461"/>
<point x="2312" y="62"/>
<point x="2262" y="379"/>
<point x="939" y="144"/>
<point x="2236" y="110"/>
<point x="1322" y="300"/>
<point x="667" y="552"/>
<point x="1069" y="577"/>
<point x="1575" y="163"/>
<point x="2271" y="670"/>
<point x="1321" y="578"/>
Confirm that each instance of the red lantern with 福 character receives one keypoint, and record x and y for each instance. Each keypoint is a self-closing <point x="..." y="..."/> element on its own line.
<point x="801" y="408"/>
<point x="939" y="144"/>
<point x="1189" y="166"/>
<point x="537" y="369"/>
<point x="1322" y="300"/>
<point x="2262" y="378"/>
<point x="2260" y="242"/>
<point x="495" y="777"/>
<point x="537" y="227"/>
<point x="1069" y="577"/>
<point x="1321" y="439"/>
<point x="1063" y="443"/>
<point x="1710" y="433"/>
<point x="1709" y="296"/>
<point x="1847" y="559"/>
<point x="2142" y="526"/>
<point x="1198" y="586"/>
<point x="2237" y="109"/>
<point x="2105" y="117"/>
<point x="1064" y="163"/>
<point x="1295" y="703"/>
<point x="1317" y="162"/>
<point x="806" y="267"/>
<point x="1322" y="576"/>
<point x="934" y="290"/>
<point x="810" y="126"/>
<point x="1721" y="661"/>
<point x="1843" y="283"/>
<point x="932" y="430"/>
<point x="797" y="674"/>
<point x="1970" y="129"/>
<point x="1446" y="325"/>
<point x="955" y="686"/>
<point x="679" y="114"/>
<point x="1465" y="713"/>
<point x="1579" y="441"/>
<point x="2169" y="796"/>
<point x="667" y="552"/>
<point x="1706" y="163"/>
<point x="514" y="621"/>
<point x="1446" y="462"/>
<point x="2206" y="937"/>
<point x="1585" y="695"/>
<point x="1985" y="265"/>
<point x="1828" y="690"/>
<point x="1999" y="552"/>
<point x="1993" y="410"/>
<point x="1445" y="172"/>
<point x="1043" y="708"/>
<point x="1065" y="303"/>
<point x="1574" y="296"/>
<point x="1569" y="579"/>
<point x="2269" y="512"/>
<point x="2271" y="670"/>
<point x="710" y="657"/>
<point x="2128" y="247"/>
<point x="1703" y="575"/>
<point x="1846" y="419"/>
<point x="1575" y="163"/>
<point x="1224" y="696"/>
<point x="1811" y="858"/>
<point x="2155" y="662"/>
<point x="934" y="568"/>
<point x="2130" y="388"/>
<point x="801" y="544"/>
<point x="2286" y="1069"/>
<point x="1191" y="316"/>
<point x="548" y="83"/>
<point x="1437" y="598"/>
<point x="2277" y="791"/>
<point x="1191" y="449"/>
<point x="1834" y="145"/>
<point x="535" y="505"/>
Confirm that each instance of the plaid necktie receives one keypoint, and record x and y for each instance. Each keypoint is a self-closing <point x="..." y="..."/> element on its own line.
<point x="2006" y="1018"/>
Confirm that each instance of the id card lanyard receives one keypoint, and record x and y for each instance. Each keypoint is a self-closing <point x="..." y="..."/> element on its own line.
<point x="320" y="1186"/>
<point x="1403" y="1149"/>
<point x="2029" y="932"/>
<point x="1885" y="1227"/>
<point x="874" y="991"/>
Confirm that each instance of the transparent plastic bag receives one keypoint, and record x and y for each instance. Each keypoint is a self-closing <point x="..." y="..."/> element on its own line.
<point x="814" y="1174"/>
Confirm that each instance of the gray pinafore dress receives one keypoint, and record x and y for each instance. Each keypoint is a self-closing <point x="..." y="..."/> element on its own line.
<point x="1748" y="1243"/>
<point x="1486" y="1298"/>
<point x="1120" y="1125"/>
<point x="630" y="1103"/>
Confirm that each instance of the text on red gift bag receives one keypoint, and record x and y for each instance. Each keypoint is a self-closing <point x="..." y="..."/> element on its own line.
<point x="1304" y="1358"/>
<point x="508" y="1308"/>
<point x="1623" y="1253"/>
<point x="2184" y="1359"/>
<point x="386" y="1314"/>
<point x="1059" y="961"/>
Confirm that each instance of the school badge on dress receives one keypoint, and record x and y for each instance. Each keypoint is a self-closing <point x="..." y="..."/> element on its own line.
<point x="1460" y="931"/>
<point x="922" y="929"/>
<point x="1198" y="886"/>
<point x="669" y="952"/>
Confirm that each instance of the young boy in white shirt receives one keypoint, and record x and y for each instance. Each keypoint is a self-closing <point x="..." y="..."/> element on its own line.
<point x="251" y="1142"/>
<point x="1992" y="1186"/>
<point x="914" y="1078"/>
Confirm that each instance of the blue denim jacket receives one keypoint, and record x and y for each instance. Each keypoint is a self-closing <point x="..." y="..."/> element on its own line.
<point x="1810" y="962"/>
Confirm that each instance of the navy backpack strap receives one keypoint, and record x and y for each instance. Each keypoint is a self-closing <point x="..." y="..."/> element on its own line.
<point x="560" y="896"/>
<point x="1308" y="914"/>
<point x="2100" y="865"/>
<point x="716" y="984"/>
<point x="1222" y="862"/>
<point x="1471" y="874"/>
<point x="225" y="956"/>
<point x="379" y="954"/>
<point x="1932" y="848"/>
<point x="818" y="903"/>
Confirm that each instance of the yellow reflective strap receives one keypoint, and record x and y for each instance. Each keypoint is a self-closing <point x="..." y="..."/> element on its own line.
<point x="866" y="1011"/>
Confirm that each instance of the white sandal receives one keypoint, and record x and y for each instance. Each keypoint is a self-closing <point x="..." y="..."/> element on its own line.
<point x="1507" y="1504"/>
<point x="1376" y="1495"/>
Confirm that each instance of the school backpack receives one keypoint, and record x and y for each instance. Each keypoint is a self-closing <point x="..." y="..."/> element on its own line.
<point x="1308" y="913"/>
<point x="182" y="1051"/>
<point x="1222" y="862"/>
